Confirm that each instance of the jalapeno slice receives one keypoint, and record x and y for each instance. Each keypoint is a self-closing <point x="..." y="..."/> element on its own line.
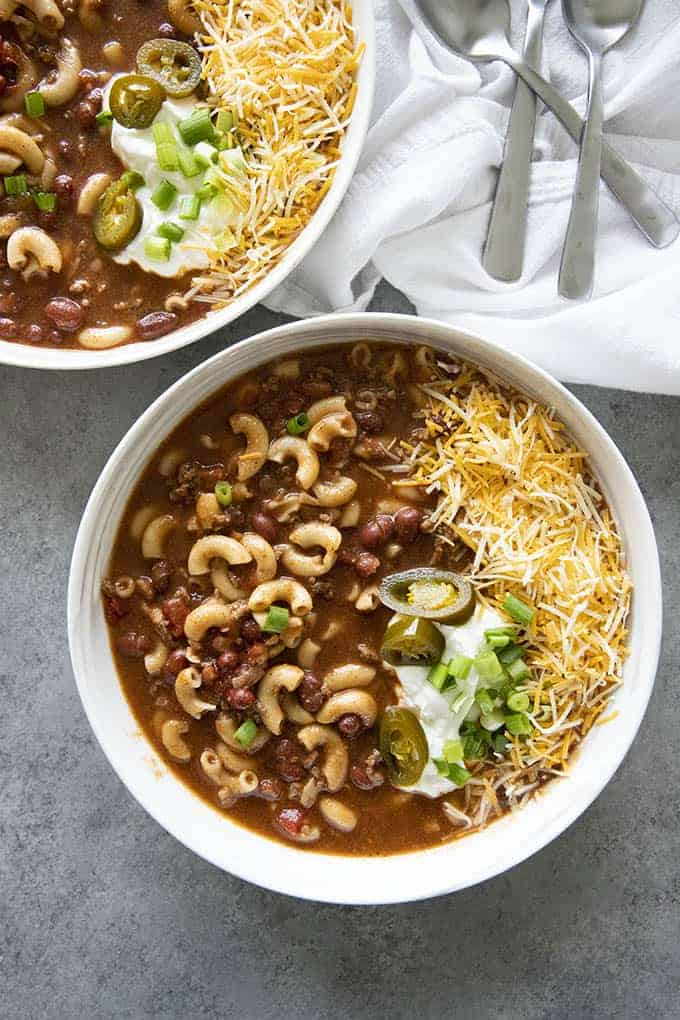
<point x="403" y="745"/>
<point x="175" y="65"/>
<point x="410" y="641"/>
<point x="430" y="594"/>
<point x="135" y="100"/>
<point x="117" y="217"/>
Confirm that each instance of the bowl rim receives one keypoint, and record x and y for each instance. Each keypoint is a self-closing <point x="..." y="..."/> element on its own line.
<point x="295" y="336"/>
<point x="76" y="359"/>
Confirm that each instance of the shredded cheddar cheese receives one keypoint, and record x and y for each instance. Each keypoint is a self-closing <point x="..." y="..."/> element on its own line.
<point x="286" y="69"/>
<point x="514" y="487"/>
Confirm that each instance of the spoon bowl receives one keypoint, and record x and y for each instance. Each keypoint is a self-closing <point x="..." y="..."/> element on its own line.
<point x="600" y="24"/>
<point x="478" y="29"/>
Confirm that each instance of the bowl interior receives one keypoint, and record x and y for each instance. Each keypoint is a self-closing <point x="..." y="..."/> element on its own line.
<point x="27" y="356"/>
<point x="286" y="869"/>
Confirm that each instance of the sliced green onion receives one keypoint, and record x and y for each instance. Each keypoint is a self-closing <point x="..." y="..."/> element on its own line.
<point x="162" y="133"/>
<point x="485" y="701"/>
<point x="511" y="653"/>
<point x="499" y="743"/>
<point x="189" y="207"/>
<point x="488" y="667"/>
<point x="205" y="154"/>
<point x="518" y="671"/>
<point x="164" y="195"/>
<point x="460" y="667"/>
<point x="16" y="184"/>
<point x="438" y="675"/>
<point x="475" y="744"/>
<point x="518" y="701"/>
<point x="510" y="632"/>
<point x="206" y="192"/>
<point x="188" y="164"/>
<point x="297" y="425"/>
<point x="104" y="118"/>
<point x="453" y="751"/>
<point x="223" y="491"/>
<point x="518" y="610"/>
<point x="171" y="231"/>
<point x="157" y="249"/>
<point x="225" y="120"/>
<point x="498" y="641"/>
<point x="167" y="156"/>
<point x="224" y="141"/>
<point x="34" y="103"/>
<point x="276" y="620"/>
<point x="132" y="179"/>
<point x="518" y="725"/>
<point x="223" y="241"/>
<point x="197" y="128"/>
<point x="441" y="765"/>
<point x="246" y="733"/>
<point x="459" y="701"/>
<point x="492" y="720"/>
<point x="46" y="201"/>
<point x="458" y="775"/>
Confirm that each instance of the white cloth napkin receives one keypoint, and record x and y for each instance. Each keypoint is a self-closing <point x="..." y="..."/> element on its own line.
<point x="417" y="209"/>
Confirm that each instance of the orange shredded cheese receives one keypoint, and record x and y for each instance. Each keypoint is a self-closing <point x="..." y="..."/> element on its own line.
<point x="286" y="70"/>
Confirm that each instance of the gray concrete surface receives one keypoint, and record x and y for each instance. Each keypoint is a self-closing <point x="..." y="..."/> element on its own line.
<point x="104" y="915"/>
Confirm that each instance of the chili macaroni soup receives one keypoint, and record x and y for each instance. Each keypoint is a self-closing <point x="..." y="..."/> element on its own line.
<point x="145" y="176"/>
<point x="367" y="599"/>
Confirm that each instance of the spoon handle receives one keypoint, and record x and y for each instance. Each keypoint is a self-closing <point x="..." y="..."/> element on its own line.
<point x="577" y="269"/>
<point x="504" y="250"/>
<point x="656" y="221"/>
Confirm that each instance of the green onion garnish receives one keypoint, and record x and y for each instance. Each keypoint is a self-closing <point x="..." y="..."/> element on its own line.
<point x="518" y="671"/>
<point x="206" y="192"/>
<point x="499" y="743"/>
<point x="276" y="620"/>
<point x="510" y="654"/>
<point x="223" y="492"/>
<point x="132" y="179"/>
<point x="46" y="201"/>
<point x="104" y="118"/>
<point x="157" y="249"/>
<point x="518" y="701"/>
<point x="225" y="120"/>
<point x="189" y="207"/>
<point x="460" y="667"/>
<point x="246" y="733"/>
<point x="188" y="164"/>
<point x="518" y="725"/>
<point x="492" y="720"/>
<point x="518" y="610"/>
<point x="205" y="154"/>
<point x="164" y="195"/>
<point x="485" y="701"/>
<point x="498" y="641"/>
<point x="458" y="774"/>
<point x="34" y="103"/>
<point x="196" y="128"/>
<point x="474" y="744"/>
<point x="297" y="425"/>
<point x="162" y="133"/>
<point x="453" y="751"/>
<point x="167" y="156"/>
<point x="438" y="675"/>
<point x="488" y="667"/>
<point x="171" y="231"/>
<point x="16" y="184"/>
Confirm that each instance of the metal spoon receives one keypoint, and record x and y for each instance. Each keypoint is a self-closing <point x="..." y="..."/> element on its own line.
<point x="478" y="29"/>
<point x="504" y="249"/>
<point x="596" y="25"/>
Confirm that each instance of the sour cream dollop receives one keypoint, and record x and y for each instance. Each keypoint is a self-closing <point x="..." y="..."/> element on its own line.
<point x="434" y="709"/>
<point x="136" y="149"/>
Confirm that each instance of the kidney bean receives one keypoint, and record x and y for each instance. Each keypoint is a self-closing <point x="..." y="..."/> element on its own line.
<point x="161" y="572"/>
<point x="366" y="564"/>
<point x="288" y="762"/>
<point x="370" y="421"/>
<point x="34" y="333"/>
<point x="311" y="692"/>
<point x="114" y="609"/>
<point x="64" y="187"/>
<point x="65" y="149"/>
<point x="250" y="630"/>
<point x="155" y="324"/>
<point x="133" y="645"/>
<point x="228" y="661"/>
<point x="350" y="725"/>
<point x="240" y="698"/>
<point x="376" y="531"/>
<point x="175" y="610"/>
<point x="88" y="79"/>
<point x="365" y="778"/>
<point x="265" y="525"/>
<point x="407" y="523"/>
<point x="66" y="314"/>
<point x="175" y="663"/>
<point x="55" y="337"/>
<point x="85" y="113"/>
<point x="257" y="653"/>
<point x="290" y="820"/>
<point x="270" y="789"/>
<point x="210" y="672"/>
<point x="8" y="329"/>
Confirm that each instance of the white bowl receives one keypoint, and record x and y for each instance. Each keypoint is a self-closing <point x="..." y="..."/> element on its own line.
<point x="285" y="868"/>
<point x="29" y="356"/>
